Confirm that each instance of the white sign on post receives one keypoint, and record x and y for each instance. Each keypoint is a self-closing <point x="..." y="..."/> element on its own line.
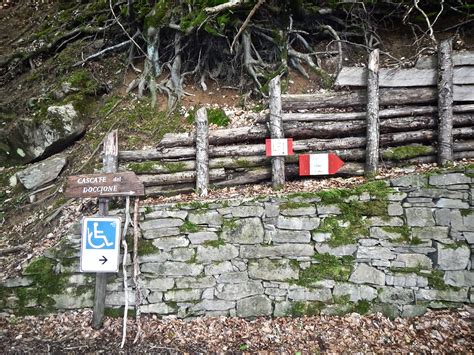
<point x="318" y="164"/>
<point x="100" y="244"/>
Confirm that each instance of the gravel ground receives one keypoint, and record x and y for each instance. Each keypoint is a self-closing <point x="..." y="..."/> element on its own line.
<point x="70" y="332"/>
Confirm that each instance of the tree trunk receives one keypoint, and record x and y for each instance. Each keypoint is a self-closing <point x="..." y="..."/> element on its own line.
<point x="178" y="178"/>
<point x="445" y="102"/>
<point x="372" y="148"/>
<point x="276" y="131"/>
<point x="202" y="152"/>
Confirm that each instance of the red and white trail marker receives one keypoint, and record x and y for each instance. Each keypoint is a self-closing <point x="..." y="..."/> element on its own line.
<point x="319" y="164"/>
<point x="278" y="147"/>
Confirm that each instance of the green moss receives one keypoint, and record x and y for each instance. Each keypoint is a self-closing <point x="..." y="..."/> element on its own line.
<point x="362" y="307"/>
<point x="83" y="80"/>
<point x="328" y="267"/>
<point x="199" y="205"/>
<point x="407" y="270"/>
<point x="229" y="223"/>
<point x="405" y="236"/>
<point x="148" y="210"/>
<point x="406" y="152"/>
<point x="436" y="280"/>
<point x="292" y="205"/>
<point x="214" y="243"/>
<point x="243" y="163"/>
<point x="309" y="308"/>
<point x="146" y="247"/>
<point x="142" y="167"/>
<point x="174" y="167"/>
<point x="455" y="245"/>
<point x="189" y="227"/>
<point x="339" y="235"/>
<point x="466" y="212"/>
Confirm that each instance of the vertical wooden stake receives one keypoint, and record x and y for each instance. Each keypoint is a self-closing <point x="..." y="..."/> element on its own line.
<point x="276" y="131"/>
<point x="110" y="162"/>
<point x="445" y="102"/>
<point x="202" y="152"/>
<point x="372" y="147"/>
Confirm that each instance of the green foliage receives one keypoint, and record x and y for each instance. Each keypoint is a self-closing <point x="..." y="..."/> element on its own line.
<point x="455" y="245"/>
<point x="292" y="205"/>
<point x="142" y="167"/>
<point x="328" y="267"/>
<point x="406" y="152"/>
<point x="405" y="235"/>
<point x="118" y="312"/>
<point x="436" y="280"/>
<point x="308" y="308"/>
<point x="189" y="227"/>
<point x="218" y="117"/>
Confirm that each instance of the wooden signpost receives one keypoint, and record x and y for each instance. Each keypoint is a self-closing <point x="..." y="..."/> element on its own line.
<point x="104" y="185"/>
<point x="278" y="147"/>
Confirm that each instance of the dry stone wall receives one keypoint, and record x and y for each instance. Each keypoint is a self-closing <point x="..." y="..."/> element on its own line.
<point x="398" y="247"/>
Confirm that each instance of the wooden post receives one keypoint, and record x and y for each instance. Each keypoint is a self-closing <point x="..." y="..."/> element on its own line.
<point x="110" y="162"/>
<point x="276" y="131"/>
<point x="202" y="152"/>
<point x="445" y="102"/>
<point x="372" y="146"/>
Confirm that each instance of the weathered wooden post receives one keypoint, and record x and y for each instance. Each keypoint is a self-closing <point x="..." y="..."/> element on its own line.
<point x="110" y="162"/>
<point x="445" y="102"/>
<point x="276" y="131"/>
<point x="202" y="152"/>
<point x="372" y="146"/>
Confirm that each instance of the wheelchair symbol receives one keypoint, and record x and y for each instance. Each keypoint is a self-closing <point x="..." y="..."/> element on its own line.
<point x="96" y="238"/>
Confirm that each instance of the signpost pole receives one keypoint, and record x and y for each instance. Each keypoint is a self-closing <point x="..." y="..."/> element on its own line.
<point x="110" y="162"/>
<point x="276" y="131"/>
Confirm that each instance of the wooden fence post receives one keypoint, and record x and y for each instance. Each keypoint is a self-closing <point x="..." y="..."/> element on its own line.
<point x="110" y="165"/>
<point x="202" y="152"/>
<point x="276" y="131"/>
<point x="372" y="146"/>
<point x="445" y="102"/>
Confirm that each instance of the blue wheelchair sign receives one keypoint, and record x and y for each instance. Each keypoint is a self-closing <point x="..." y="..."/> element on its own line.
<point x="100" y="234"/>
<point x="100" y="247"/>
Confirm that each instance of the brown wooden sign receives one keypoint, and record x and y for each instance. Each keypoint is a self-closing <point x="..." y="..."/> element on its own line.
<point x="104" y="185"/>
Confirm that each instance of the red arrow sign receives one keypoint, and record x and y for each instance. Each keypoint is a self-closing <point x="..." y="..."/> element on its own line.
<point x="278" y="147"/>
<point x="319" y="164"/>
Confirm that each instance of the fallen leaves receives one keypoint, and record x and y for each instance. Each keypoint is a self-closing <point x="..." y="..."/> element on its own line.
<point x="440" y="331"/>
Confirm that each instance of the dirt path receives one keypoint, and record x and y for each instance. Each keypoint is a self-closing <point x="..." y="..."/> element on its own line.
<point x="442" y="331"/>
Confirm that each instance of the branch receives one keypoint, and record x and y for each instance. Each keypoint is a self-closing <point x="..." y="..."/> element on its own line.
<point x="226" y="6"/>
<point x="102" y="52"/>
<point x="246" y="22"/>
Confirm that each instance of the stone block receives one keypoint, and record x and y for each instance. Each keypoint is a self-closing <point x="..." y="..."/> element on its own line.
<point x="158" y="233"/>
<point x="409" y="181"/>
<point x="161" y="223"/>
<point x="166" y="214"/>
<point x="374" y="253"/>
<point x="170" y="268"/>
<point x="414" y="260"/>
<point x="211" y="218"/>
<point x="158" y="284"/>
<point x="182" y="295"/>
<point x="182" y="254"/>
<point x="272" y="291"/>
<point x="419" y="217"/>
<point x="243" y="231"/>
<point x="217" y="268"/>
<point x="442" y="295"/>
<point x="365" y="274"/>
<point x="70" y="300"/>
<point x="436" y="233"/>
<point x="328" y="210"/>
<point x="342" y="250"/>
<point x="254" y="306"/>
<point x="282" y="309"/>
<point x="281" y="250"/>
<point x="385" y="222"/>
<point x="449" y="218"/>
<point x="214" y="305"/>
<point x="395" y="295"/>
<point x="384" y="233"/>
<point x="451" y="203"/>
<point x="232" y="292"/>
<point x="300" y="211"/>
<point x="17" y="282"/>
<point x="233" y="277"/>
<point x="158" y="308"/>
<point x="272" y="209"/>
<point x="395" y="209"/>
<point x="355" y="292"/>
<point x="460" y="278"/>
<point x="380" y="263"/>
<point x="452" y="256"/>
<point x="201" y="237"/>
<point x="167" y="243"/>
<point x="396" y="196"/>
<point x="305" y="294"/>
<point x="366" y="242"/>
<point x="413" y="310"/>
<point x="449" y="179"/>
<point x="155" y="297"/>
<point x="320" y="237"/>
<point x="195" y="282"/>
<point x="209" y="253"/>
<point x="298" y="223"/>
<point x="247" y="211"/>
<point x="272" y="269"/>
<point x="289" y="236"/>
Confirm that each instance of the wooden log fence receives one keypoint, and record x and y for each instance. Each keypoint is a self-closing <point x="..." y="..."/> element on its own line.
<point x="408" y="132"/>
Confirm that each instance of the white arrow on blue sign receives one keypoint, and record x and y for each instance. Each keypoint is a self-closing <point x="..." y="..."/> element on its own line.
<point x="100" y="244"/>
